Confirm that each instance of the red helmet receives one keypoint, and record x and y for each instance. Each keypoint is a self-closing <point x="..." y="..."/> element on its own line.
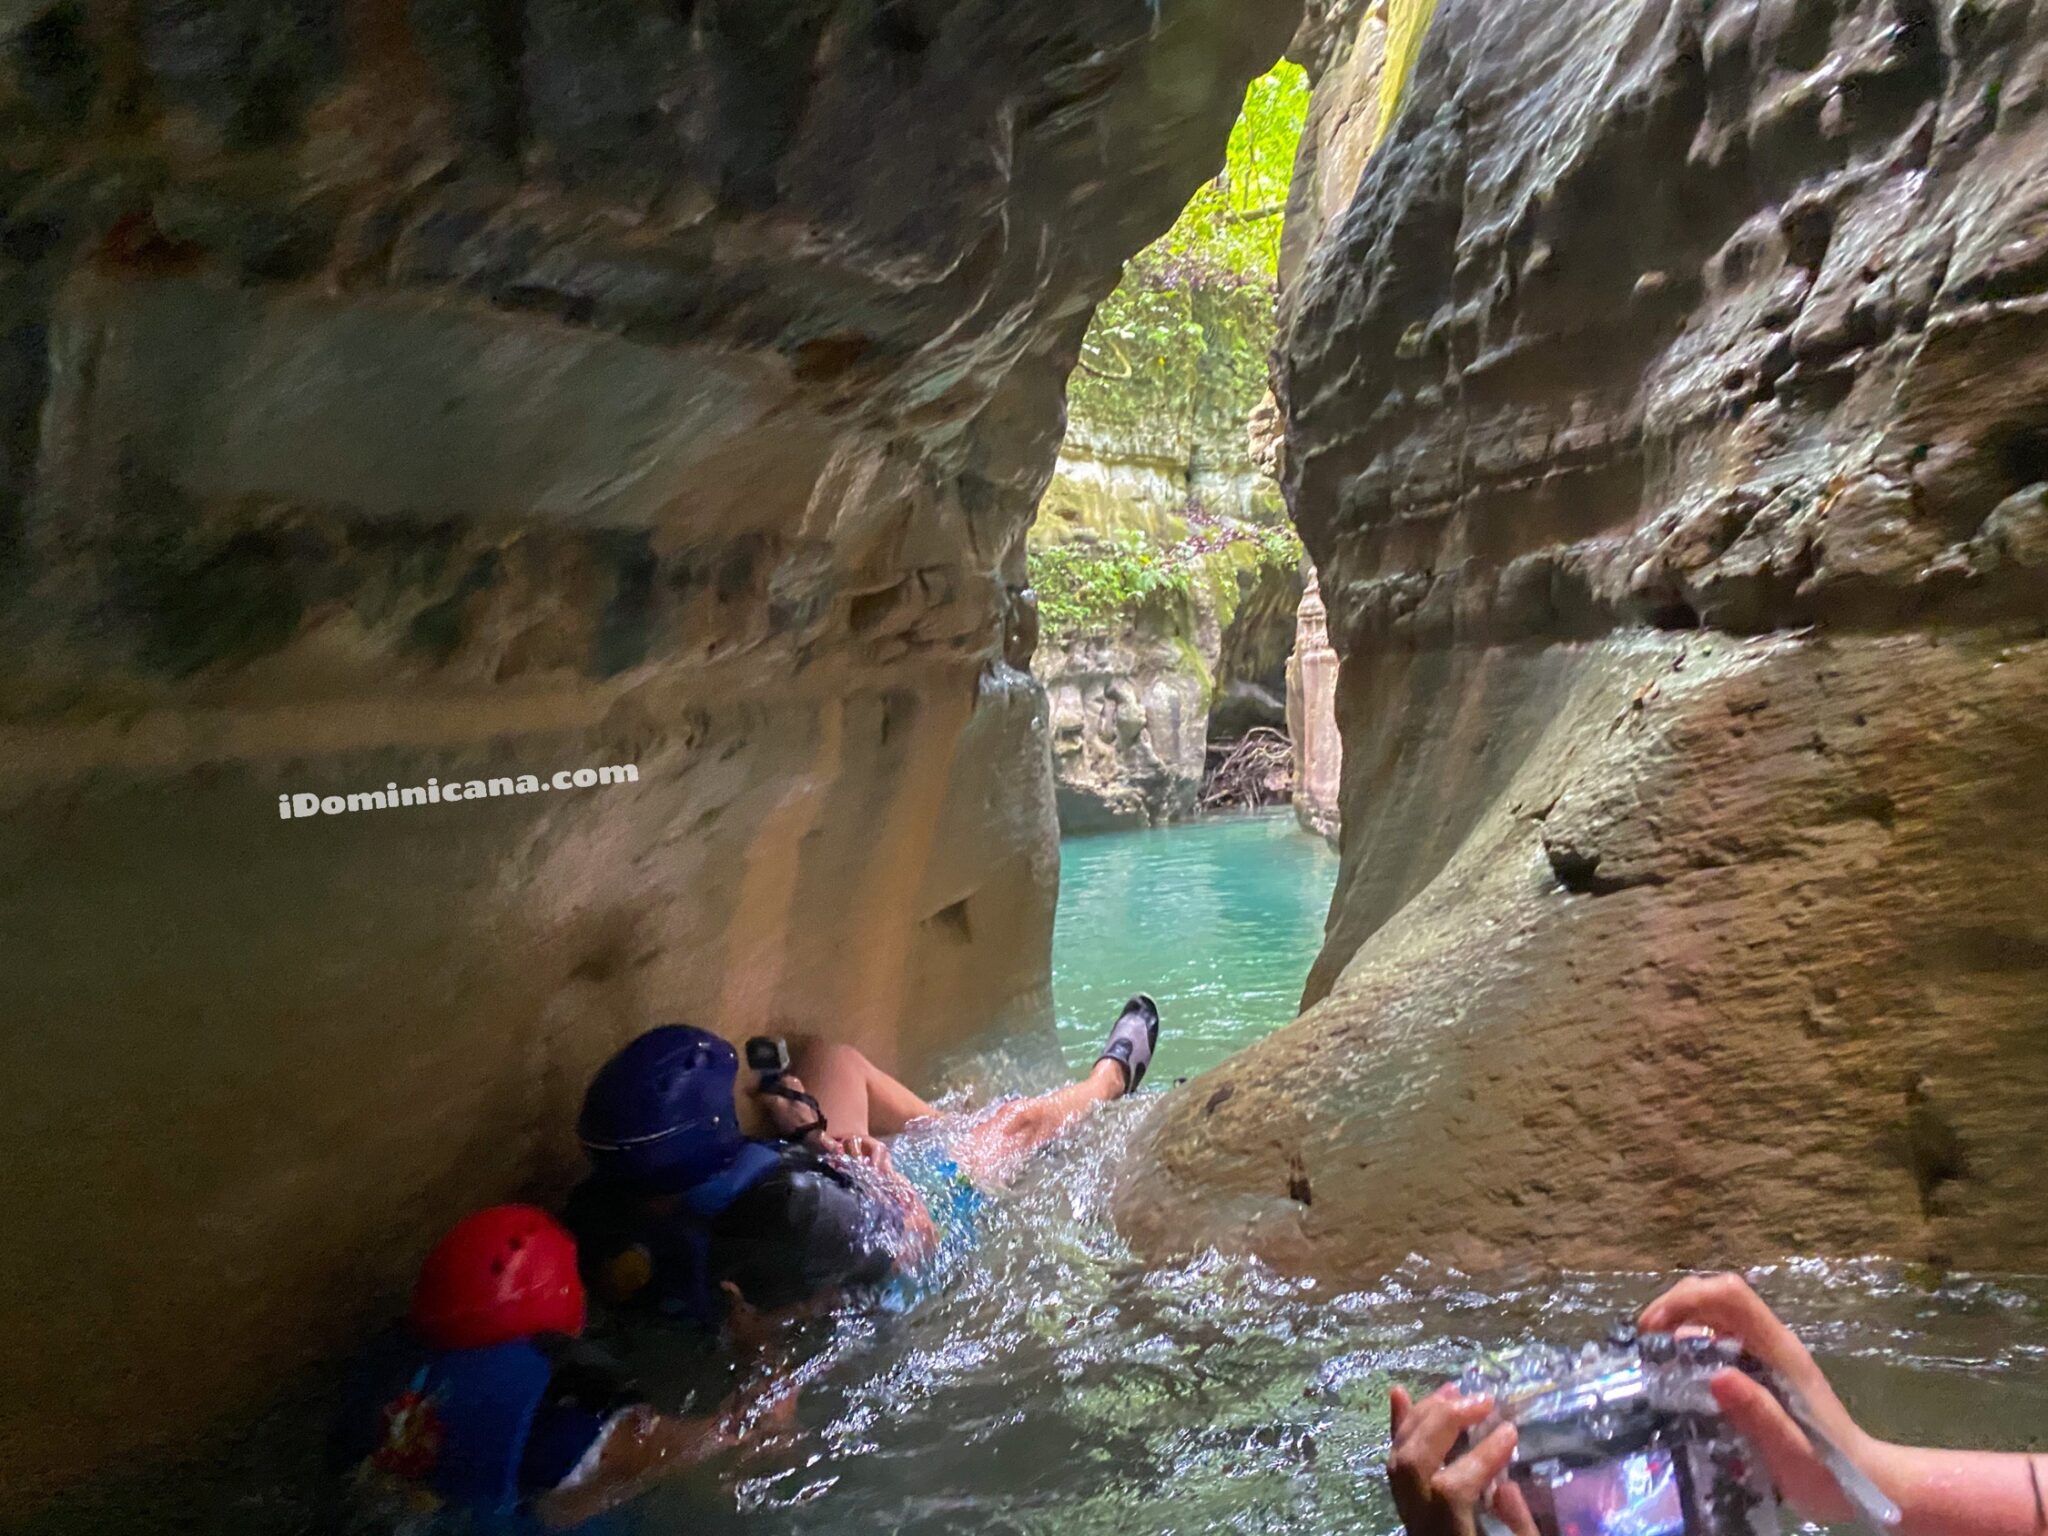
<point x="502" y="1274"/>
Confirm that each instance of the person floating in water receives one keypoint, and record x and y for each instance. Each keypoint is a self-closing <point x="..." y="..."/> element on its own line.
<point x="685" y="1214"/>
<point x="1938" y="1492"/>
<point x="488" y="1404"/>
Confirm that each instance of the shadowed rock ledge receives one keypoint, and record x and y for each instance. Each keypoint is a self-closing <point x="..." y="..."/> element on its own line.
<point x="1668" y="419"/>
<point x="458" y="390"/>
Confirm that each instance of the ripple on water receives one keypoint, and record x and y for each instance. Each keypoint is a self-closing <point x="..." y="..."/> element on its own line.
<point x="1059" y="1385"/>
<point x="1218" y="920"/>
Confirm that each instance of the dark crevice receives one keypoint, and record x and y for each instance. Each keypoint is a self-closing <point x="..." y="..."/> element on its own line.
<point x="1579" y="872"/>
<point x="2022" y="457"/>
<point x="1809" y="228"/>
<point x="954" y="920"/>
<point x="1933" y="1149"/>
<point x="1298" y="1189"/>
<point x="899" y="29"/>
<point x="625" y="628"/>
<point x="505" y="33"/>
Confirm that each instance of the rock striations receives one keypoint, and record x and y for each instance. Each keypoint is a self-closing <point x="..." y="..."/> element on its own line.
<point x="454" y="390"/>
<point x="1667" y="415"/>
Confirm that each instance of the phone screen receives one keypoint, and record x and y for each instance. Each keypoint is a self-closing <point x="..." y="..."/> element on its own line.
<point x="1636" y="1497"/>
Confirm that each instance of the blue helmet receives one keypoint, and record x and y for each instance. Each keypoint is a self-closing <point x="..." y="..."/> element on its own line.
<point x="660" y="1113"/>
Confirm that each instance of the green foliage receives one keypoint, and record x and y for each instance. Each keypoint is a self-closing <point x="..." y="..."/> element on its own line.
<point x="1098" y="586"/>
<point x="1180" y="347"/>
<point x="1158" y="353"/>
<point x="1083" y="587"/>
<point x="1280" y="545"/>
<point x="1231" y="227"/>
<point x="1194" y="313"/>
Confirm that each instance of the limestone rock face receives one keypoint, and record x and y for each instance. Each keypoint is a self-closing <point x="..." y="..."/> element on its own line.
<point x="1138" y="706"/>
<point x="1156" y="439"/>
<point x="1312" y="718"/>
<point x="1130" y="723"/>
<point x="454" y="391"/>
<point x="1251" y="662"/>
<point x="1667" y="416"/>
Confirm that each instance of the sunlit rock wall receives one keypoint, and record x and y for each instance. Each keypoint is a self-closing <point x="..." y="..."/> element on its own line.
<point x="1130" y="721"/>
<point x="456" y="390"/>
<point x="1156" y="447"/>
<point x="1312" y="718"/>
<point x="1668" y="419"/>
<point x="1137" y="695"/>
<point x="1156" y="423"/>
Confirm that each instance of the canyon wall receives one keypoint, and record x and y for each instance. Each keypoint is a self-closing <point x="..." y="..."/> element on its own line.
<point x="449" y="392"/>
<point x="1130" y="720"/>
<point x="1667" y="415"/>
<point x="1312" y="719"/>
<point x="1156" y="422"/>
<point x="1157" y="449"/>
<point x="1140" y="696"/>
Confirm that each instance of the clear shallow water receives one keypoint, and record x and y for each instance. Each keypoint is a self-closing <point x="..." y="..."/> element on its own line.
<point x="1218" y="920"/>
<point x="1056" y="1386"/>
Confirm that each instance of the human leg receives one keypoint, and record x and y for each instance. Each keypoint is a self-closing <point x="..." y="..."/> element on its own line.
<point x="991" y="1149"/>
<point x="857" y="1097"/>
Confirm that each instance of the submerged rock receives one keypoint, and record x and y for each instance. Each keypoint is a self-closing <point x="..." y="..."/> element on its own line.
<point x="1665" y="415"/>
<point x="457" y="391"/>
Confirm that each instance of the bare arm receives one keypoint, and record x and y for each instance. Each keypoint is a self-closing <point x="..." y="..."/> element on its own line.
<point x="643" y="1447"/>
<point x="869" y="1156"/>
<point x="1939" y="1493"/>
<point x="1963" y="1493"/>
<point x="640" y="1449"/>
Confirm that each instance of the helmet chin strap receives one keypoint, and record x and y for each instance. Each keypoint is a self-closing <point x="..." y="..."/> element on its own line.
<point x="775" y="1088"/>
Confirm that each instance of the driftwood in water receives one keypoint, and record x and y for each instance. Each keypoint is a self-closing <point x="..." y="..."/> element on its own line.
<point x="1256" y="770"/>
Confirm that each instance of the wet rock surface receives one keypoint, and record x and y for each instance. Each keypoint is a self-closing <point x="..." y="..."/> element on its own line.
<point x="1251" y="661"/>
<point x="1665" y="417"/>
<point x="458" y="390"/>
<point x="1130" y="717"/>
<point x="1312" y="719"/>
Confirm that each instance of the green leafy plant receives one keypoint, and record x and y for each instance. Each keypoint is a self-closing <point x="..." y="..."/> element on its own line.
<point x="1183" y="342"/>
<point x="1280" y="545"/>
<point x="1215" y="270"/>
<point x="1102" y="586"/>
<point x="1091" y="586"/>
<point x="1231" y="227"/>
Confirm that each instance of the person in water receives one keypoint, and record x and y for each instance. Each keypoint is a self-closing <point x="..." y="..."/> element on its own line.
<point x="1939" y="1493"/>
<point x="685" y="1214"/>
<point x="488" y="1404"/>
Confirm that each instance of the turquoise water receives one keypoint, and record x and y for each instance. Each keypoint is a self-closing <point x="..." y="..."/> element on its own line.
<point x="1055" y="1384"/>
<point x="1058" y="1384"/>
<point x="1218" y="921"/>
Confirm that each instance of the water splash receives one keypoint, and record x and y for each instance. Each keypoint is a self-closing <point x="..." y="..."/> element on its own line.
<point x="1058" y="1384"/>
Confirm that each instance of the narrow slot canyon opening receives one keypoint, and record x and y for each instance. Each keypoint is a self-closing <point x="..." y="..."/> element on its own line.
<point x="650" y="404"/>
<point x="1168" y="575"/>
